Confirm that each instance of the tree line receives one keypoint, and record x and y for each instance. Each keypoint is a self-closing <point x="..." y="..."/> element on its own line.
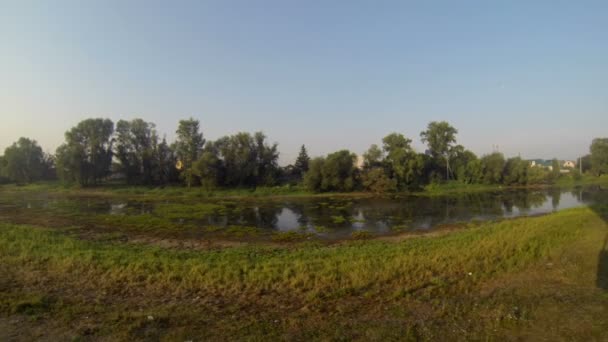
<point x="96" y="150"/>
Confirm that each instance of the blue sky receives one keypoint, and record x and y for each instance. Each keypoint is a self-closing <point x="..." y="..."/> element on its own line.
<point x="528" y="76"/>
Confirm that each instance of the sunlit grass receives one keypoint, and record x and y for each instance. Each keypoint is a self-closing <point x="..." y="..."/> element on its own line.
<point x="358" y="266"/>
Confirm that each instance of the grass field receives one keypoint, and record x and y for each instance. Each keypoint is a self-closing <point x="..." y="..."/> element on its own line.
<point x="539" y="278"/>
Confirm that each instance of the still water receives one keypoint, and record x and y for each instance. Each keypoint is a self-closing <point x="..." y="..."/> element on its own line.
<point x="329" y="217"/>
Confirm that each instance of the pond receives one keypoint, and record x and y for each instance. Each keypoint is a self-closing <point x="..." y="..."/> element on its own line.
<point x="325" y="217"/>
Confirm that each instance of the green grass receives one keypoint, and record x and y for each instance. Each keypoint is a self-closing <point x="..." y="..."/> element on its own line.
<point x="417" y="288"/>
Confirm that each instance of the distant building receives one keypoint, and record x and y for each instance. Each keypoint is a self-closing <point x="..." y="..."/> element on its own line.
<point x="542" y="163"/>
<point x="359" y="162"/>
<point x="569" y="164"/>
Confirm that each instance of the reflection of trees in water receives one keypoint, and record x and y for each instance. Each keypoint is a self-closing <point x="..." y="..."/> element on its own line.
<point x="522" y="200"/>
<point x="412" y="211"/>
<point x="262" y="216"/>
<point x="594" y="194"/>
<point x="555" y="194"/>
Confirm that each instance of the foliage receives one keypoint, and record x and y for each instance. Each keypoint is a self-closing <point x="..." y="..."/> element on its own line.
<point x="377" y="181"/>
<point x="402" y="164"/>
<point x="188" y="147"/>
<point x="492" y="166"/>
<point x="301" y="164"/>
<point x="599" y="156"/>
<point x="440" y="138"/>
<point x="336" y="172"/>
<point x="24" y="161"/>
<point x="86" y="156"/>
<point x="244" y="160"/>
<point x="313" y="178"/>
<point x="516" y="171"/>
<point x="339" y="171"/>
<point x="373" y="157"/>
<point x="142" y="159"/>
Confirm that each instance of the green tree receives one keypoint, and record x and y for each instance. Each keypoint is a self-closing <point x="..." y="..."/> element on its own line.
<point x="339" y="171"/>
<point x="136" y="148"/>
<point x="301" y="164"/>
<point x="493" y="166"/>
<point x="3" y="173"/>
<point x="402" y="163"/>
<point x="599" y="156"/>
<point x="313" y="178"/>
<point x="440" y="138"/>
<point x="515" y="171"/>
<point x="474" y="172"/>
<point x="373" y="157"/>
<point x="537" y="175"/>
<point x="86" y="156"/>
<point x="24" y="161"/>
<point x="461" y="158"/>
<point x="377" y="181"/>
<point x="555" y="170"/>
<point x="266" y="160"/>
<point x="209" y="167"/>
<point x="165" y="161"/>
<point x="188" y="147"/>
<point x="248" y="160"/>
<point x="586" y="163"/>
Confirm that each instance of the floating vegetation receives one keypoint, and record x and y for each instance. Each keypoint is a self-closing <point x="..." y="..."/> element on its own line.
<point x="400" y="227"/>
<point x="291" y="236"/>
<point x="187" y="211"/>
<point x="361" y="235"/>
<point x="338" y="219"/>
<point x="241" y="231"/>
<point x="321" y="229"/>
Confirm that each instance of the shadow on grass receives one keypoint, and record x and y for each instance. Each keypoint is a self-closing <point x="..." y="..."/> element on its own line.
<point x="602" y="266"/>
<point x="601" y="209"/>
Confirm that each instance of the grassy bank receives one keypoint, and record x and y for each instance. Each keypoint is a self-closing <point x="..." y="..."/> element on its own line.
<point x="520" y="278"/>
<point x="172" y="192"/>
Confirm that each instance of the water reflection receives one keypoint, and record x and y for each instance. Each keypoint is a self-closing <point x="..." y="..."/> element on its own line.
<point x="337" y="217"/>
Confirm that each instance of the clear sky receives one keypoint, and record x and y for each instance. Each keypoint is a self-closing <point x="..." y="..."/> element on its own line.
<point x="529" y="76"/>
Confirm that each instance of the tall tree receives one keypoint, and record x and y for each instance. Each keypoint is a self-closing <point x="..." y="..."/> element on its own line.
<point x="301" y="164"/>
<point x="403" y="164"/>
<point x="24" y="160"/>
<point x="516" y="171"/>
<point x="135" y="148"/>
<point x="188" y="147"/>
<point x="3" y="173"/>
<point x="165" y="161"/>
<point x="241" y="159"/>
<point x="493" y="166"/>
<point x="373" y="157"/>
<point x="599" y="155"/>
<point x="267" y="157"/>
<point x="440" y="138"/>
<point x="313" y="178"/>
<point x="338" y="171"/>
<point x="209" y="167"/>
<point x="86" y="156"/>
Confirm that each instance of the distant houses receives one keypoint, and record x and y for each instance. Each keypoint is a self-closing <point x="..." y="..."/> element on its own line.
<point x="567" y="165"/>
<point x="543" y="163"/>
